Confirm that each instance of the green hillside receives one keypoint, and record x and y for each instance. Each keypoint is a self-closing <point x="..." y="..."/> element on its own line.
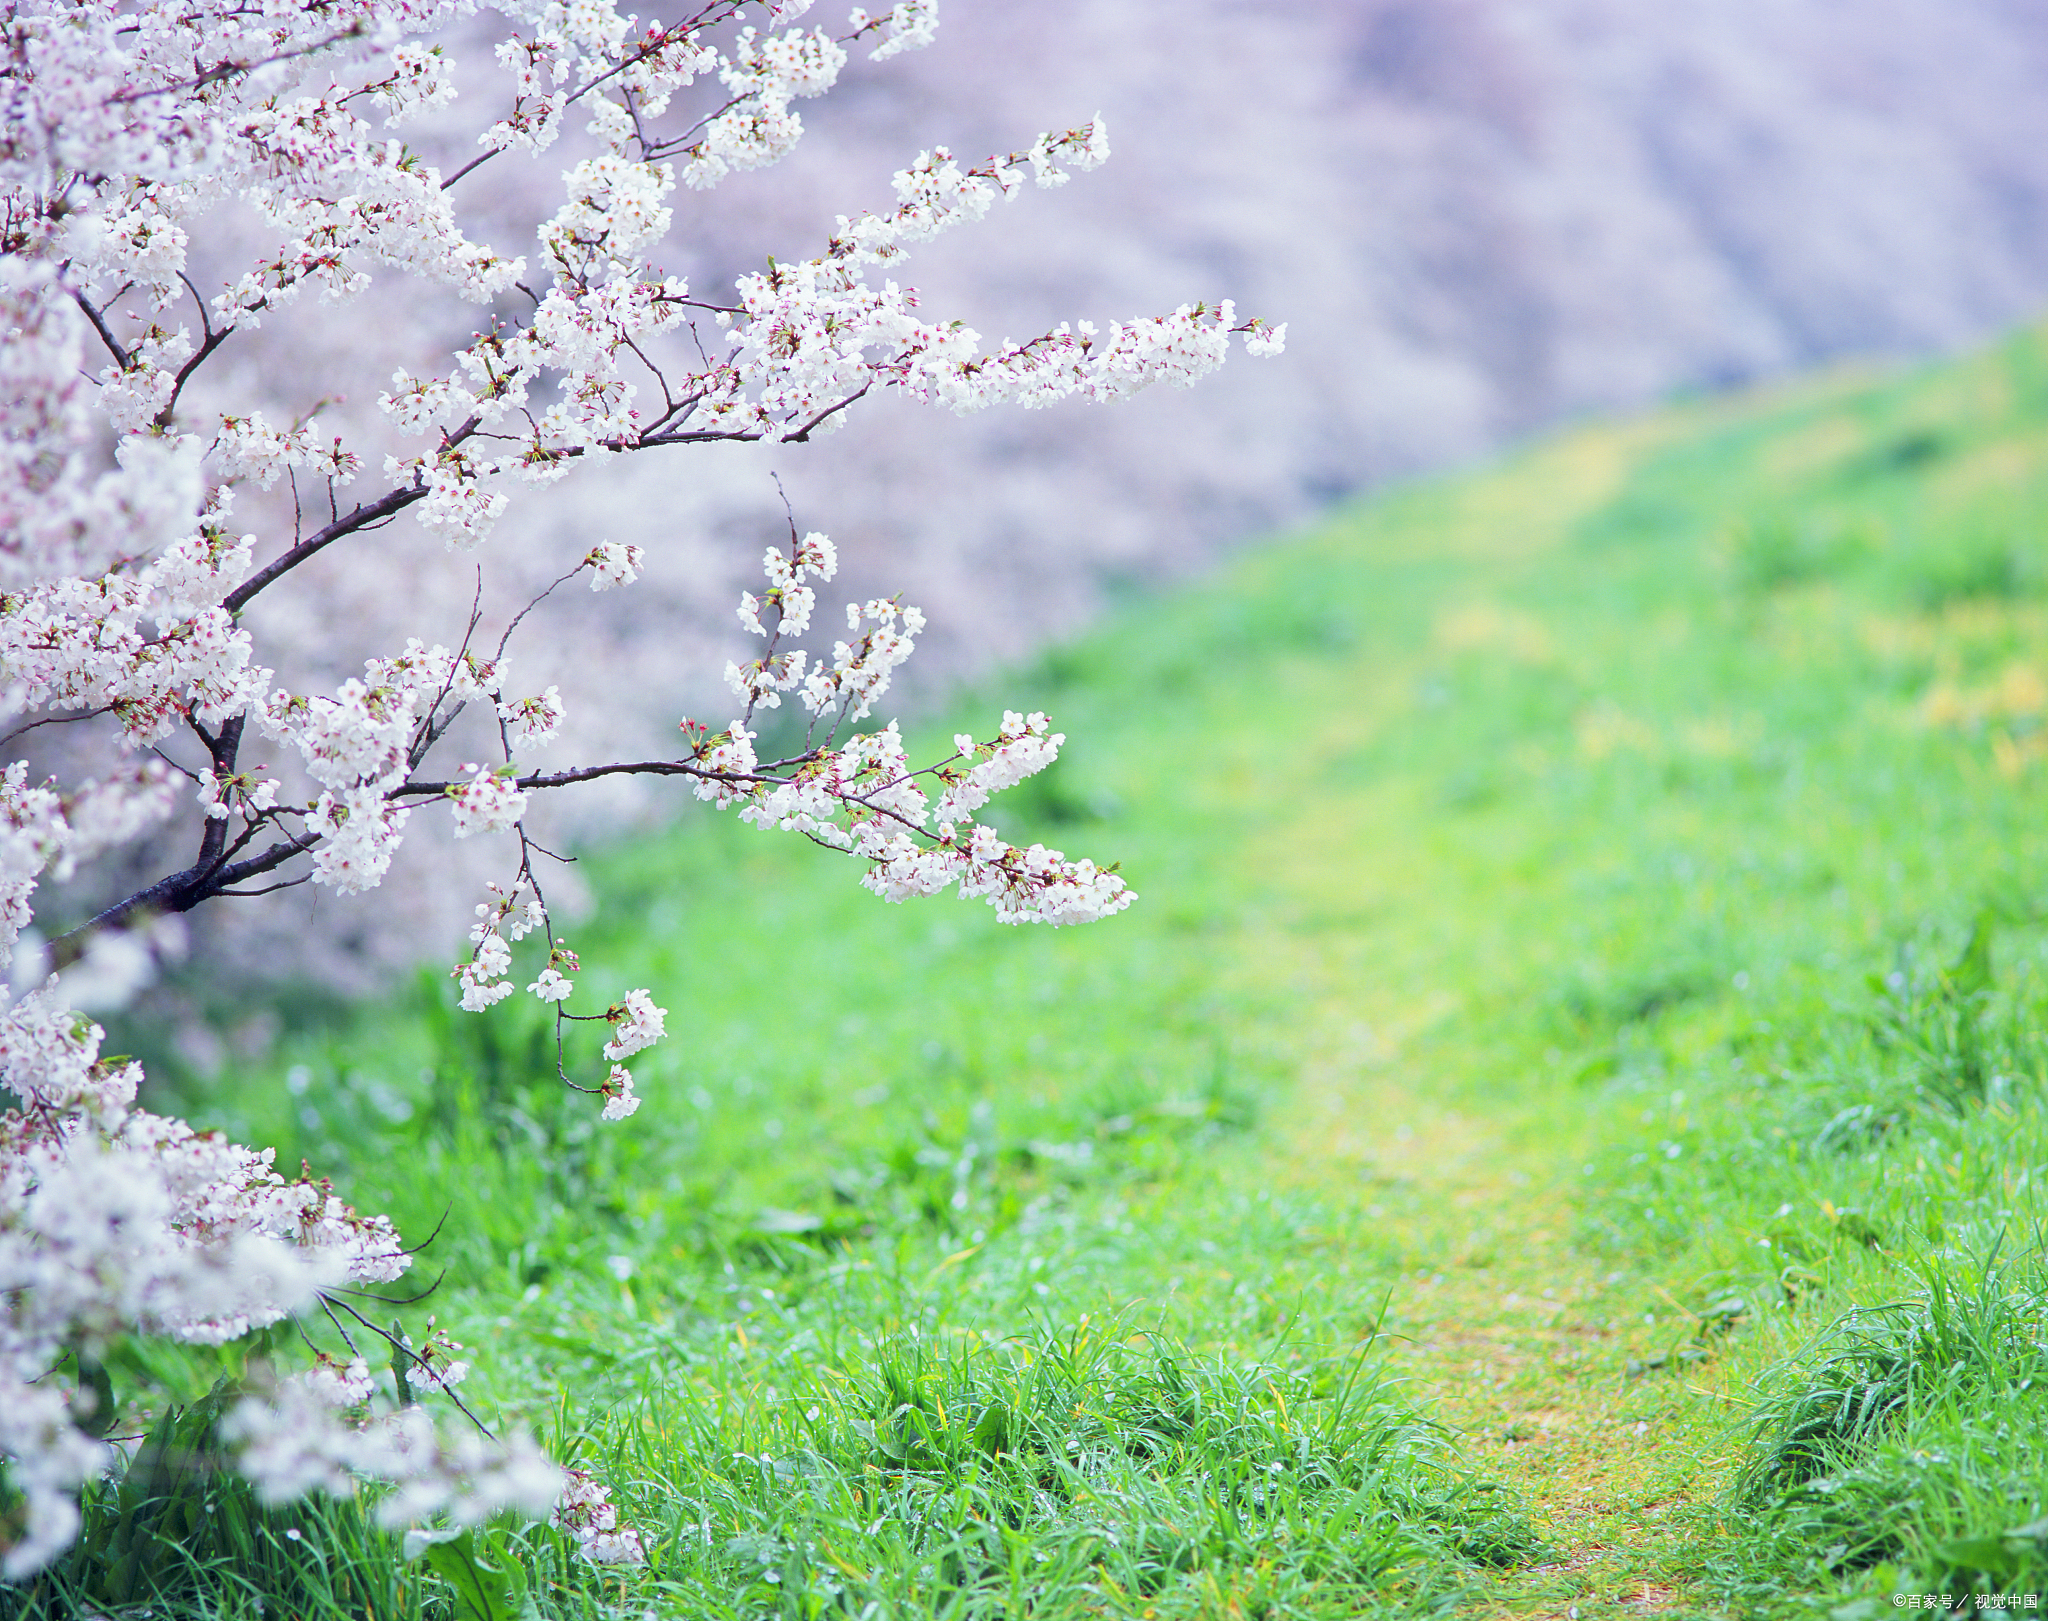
<point x="1560" y="1130"/>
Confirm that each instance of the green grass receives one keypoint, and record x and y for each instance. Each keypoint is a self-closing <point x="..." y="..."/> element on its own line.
<point x="1562" y="1125"/>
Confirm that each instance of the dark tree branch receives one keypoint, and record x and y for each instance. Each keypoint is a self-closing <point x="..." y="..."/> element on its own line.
<point x="590" y="773"/>
<point x="182" y="891"/>
<point x="387" y="505"/>
<point x="212" y="341"/>
<point x="121" y="355"/>
<point x="269" y="861"/>
<point x="399" y="1300"/>
<point x="214" y="839"/>
<point x="400" y="1349"/>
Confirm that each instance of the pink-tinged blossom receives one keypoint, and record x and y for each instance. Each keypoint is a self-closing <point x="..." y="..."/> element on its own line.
<point x="620" y="1100"/>
<point x="76" y="644"/>
<point x="614" y="211"/>
<point x="1263" y="340"/>
<point x="361" y="830"/>
<point x="585" y="1512"/>
<point x="552" y="986"/>
<point x="417" y="82"/>
<point x="636" y="1024"/>
<point x="490" y="802"/>
<point x="249" y="448"/>
<point x="908" y="26"/>
<point x="195" y="571"/>
<point x="758" y="127"/>
<point x="423" y="676"/>
<point x="727" y="762"/>
<point x="422" y="405"/>
<point x="135" y="394"/>
<point x="339" y="1386"/>
<point x="356" y="736"/>
<point x="460" y="509"/>
<point x="612" y="565"/>
<point x="531" y="723"/>
<point x="435" y="1362"/>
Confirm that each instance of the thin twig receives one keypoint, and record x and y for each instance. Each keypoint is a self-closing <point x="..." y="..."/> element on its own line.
<point x="400" y="1300"/>
<point x="436" y="1233"/>
<point x="472" y="164"/>
<point x="427" y="734"/>
<point x="417" y="1360"/>
<point x="53" y="720"/>
<point x="338" y="1328"/>
<point x="267" y="889"/>
<point x="225" y="70"/>
<point x="535" y="603"/>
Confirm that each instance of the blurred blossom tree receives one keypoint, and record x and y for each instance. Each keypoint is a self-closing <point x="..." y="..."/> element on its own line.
<point x="138" y="136"/>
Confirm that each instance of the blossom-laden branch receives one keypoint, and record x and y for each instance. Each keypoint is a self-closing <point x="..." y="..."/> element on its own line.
<point x="123" y="584"/>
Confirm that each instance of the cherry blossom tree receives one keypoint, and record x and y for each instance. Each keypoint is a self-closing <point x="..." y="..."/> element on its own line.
<point x="131" y="130"/>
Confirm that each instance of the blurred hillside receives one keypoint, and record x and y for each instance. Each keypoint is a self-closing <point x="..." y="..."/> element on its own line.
<point x="1478" y="217"/>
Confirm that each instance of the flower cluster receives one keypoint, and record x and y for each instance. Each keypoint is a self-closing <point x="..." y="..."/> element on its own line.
<point x="502" y="921"/>
<point x="134" y="130"/>
<point x="758" y="126"/>
<point x="636" y="1024"/>
<point x="862" y="795"/>
<point x="114" y="1220"/>
<point x="531" y="723"/>
<point x="303" y="1436"/>
<point x="490" y="802"/>
<point x="613" y="565"/>
<point x="586" y="1513"/>
<point x="41" y="828"/>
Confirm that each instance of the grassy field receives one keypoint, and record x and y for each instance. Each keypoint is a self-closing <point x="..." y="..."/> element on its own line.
<point x="1560" y="1133"/>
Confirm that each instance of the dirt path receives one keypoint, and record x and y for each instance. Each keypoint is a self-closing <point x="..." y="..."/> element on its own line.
<point x="1391" y="921"/>
<point x="1519" y="1340"/>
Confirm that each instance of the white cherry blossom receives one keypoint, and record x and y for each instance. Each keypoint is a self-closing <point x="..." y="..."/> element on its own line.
<point x="636" y="1024"/>
<point x="613" y="565"/>
<point x="490" y="802"/>
<point x="138" y="131"/>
